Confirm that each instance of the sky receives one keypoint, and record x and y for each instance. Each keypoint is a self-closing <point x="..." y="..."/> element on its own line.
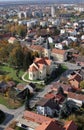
<point x="38" y="0"/>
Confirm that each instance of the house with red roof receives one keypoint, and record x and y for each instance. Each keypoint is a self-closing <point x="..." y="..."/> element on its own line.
<point x="77" y="98"/>
<point x="49" y="125"/>
<point x="34" y="121"/>
<point x="46" y="123"/>
<point x="40" y="68"/>
<point x="43" y="51"/>
<point x="70" y="125"/>
<point x="75" y="80"/>
<point x="59" y="55"/>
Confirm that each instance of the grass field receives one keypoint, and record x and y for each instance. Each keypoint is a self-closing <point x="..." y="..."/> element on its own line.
<point x="9" y="102"/>
<point x="7" y="70"/>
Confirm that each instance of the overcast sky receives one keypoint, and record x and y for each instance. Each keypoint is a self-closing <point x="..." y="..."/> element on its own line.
<point x="38" y="0"/>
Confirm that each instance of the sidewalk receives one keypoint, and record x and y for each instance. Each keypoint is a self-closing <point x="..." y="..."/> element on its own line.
<point x="29" y="81"/>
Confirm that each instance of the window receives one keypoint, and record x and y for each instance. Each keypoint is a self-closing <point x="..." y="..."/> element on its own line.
<point x="30" y="75"/>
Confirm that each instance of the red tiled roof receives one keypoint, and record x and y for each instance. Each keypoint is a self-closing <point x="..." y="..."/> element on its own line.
<point x="36" y="117"/>
<point x="65" y="87"/>
<point x="9" y="128"/>
<point x="76" y="96"/>
<point x="75" y="80"/>
<point x="32" y="68"/>
<point x="39" y="62"/>
<point x="45" y="61"/>
<point x="49" y="125"/>
<point x="70" y="125"/>
<point x="49" y="96"/>
<point x="58" y="51"/>
<point x="36" y="48"/>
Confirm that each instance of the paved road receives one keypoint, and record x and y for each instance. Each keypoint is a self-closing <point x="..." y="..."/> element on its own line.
<point x="11" y="114"/>
<point x="71" y="66"/>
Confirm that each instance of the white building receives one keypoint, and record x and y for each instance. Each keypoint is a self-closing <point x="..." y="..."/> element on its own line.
<point x="53" y="11"/>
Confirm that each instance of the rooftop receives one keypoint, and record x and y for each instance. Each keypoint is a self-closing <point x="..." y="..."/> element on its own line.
<point x="31" y="116"/>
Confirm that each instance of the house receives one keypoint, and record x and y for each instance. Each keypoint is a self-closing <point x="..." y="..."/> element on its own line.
<point x="31" y="116"/>
<point x="33" y="121"/>
<point x="66" y="87"/>
<point x="12" y="40"/>
<point x="9" y="128"/>
<point x="70" y="125"/>
<point x="75" y="80"/>
<point x="50" y="125"/>
<point x="77" y="98"/>
<point x="58" y="45"/>
<point x="56" y="97"/>
<point x="40" y="68"/>
<point x="47" y="107"/>
<point x="44" y="50"/>
<point x="37" y="48"/>
<point x="59" y="55"/>
<point x="46" y="123"/>
<point x="74" y="39"/>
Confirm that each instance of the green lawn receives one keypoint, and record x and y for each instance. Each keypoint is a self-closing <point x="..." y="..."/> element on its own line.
<point x="19" y="128"/>
<point x="7" y="70"/>
<point x="9" y="102"/>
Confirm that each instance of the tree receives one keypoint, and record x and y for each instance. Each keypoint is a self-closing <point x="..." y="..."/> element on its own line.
<point x="82" y="84"/>
<point x="56" y="31"/>
<point x="21" y="30"/>
<point x="34" y="54"/>
<point x="68" y="107"/>
<point x="16" y="57"/>
<point x="27" y="99"/>
<point x="13" y="30"/>
<point x="27" y="61"/>
<point x="3" y="54"/>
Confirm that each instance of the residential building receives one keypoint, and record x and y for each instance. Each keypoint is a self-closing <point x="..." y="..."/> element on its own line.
<point x="49" y="125"/>
<point x="53" y="11"/>
<point x="47" y="107"/>
<point x="40" y="68"/>
<point x="75" y="80"/>
<point x="43" y="51"/>
<point x="70" y="125"/>
<point x="77" y="98"/>
<point x="33" y="121"/>
<point x="59" y="55"/>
